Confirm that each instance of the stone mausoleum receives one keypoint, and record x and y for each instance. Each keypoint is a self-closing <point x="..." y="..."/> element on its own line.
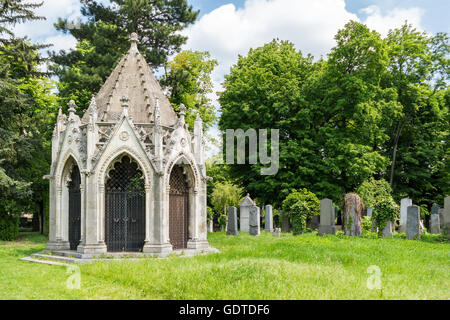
<point x="128" y="176"/>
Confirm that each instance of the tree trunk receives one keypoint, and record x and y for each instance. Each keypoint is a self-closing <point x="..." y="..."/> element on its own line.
<point x="394" y="153"/>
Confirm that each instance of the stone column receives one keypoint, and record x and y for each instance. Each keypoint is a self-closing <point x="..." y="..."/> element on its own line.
<point x="326" y="217"/>
<point x="412" y="223"/>
<point x="254" y="221"/>
<point x="434" y="220"/>
<point x="404" y="204"/>
<point x="54" y="238"/>
<point x="232" y="229"/>
<point x="269" y="219"/>
<point x="199" y="241"/>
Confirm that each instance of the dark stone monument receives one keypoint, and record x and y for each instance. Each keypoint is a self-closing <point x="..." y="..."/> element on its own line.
<point x="413" y="223"/>
<point x="232" y="229"/>
<point x="254" y="221"/>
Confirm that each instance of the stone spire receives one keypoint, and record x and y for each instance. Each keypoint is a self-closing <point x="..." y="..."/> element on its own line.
<point x="134" y="41"/>
<point x="182" y="113"/>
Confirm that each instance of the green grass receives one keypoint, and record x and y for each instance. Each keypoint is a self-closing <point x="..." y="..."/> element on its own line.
<point x="265" y="267"/>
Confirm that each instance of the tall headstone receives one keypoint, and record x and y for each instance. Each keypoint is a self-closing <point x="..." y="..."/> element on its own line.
<point x="326" y="217"/>
<point x="413" y="223"/>
<point x="315" y="222"/>
<point x="352" y="214"/>
<point x="446" y="227"/>
<point x="285" y="225"/>
<point x="388" y="230"/>
<point x="404" y="204"/>
<point x="210" y="226"/>
<point x="269" y="219"/>
<point x="254" y="221"/>
<point x="435" y="227"/>
<point x="232" y="229"/>
<point x="244" y="213"/>
<point x="441" y="219"/>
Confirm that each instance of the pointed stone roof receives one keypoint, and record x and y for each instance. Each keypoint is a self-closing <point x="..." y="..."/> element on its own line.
<point x="134" y="79"/>
<point x="247" y="201"/>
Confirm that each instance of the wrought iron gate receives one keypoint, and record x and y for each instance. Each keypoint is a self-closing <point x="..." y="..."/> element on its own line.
<point x="74" y="208"/>
<point x="125" y="207"/>
<point x="178" y="209"/>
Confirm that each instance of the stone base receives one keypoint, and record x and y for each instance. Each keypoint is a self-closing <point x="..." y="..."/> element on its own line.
<point x="198" y="244"/>
<point x="58" y="245"/>
<point x="157" y="248"/>
<point x="92" y="248"/>
<point x="327" y="230"/>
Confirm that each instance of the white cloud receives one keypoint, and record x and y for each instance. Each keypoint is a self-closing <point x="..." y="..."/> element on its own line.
<point x="393" y="19"/>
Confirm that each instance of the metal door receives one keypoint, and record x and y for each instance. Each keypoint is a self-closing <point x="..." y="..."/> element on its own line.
<point x="178" y="209"/>
<point x="125" y="207"/>
<point x="74" y="208"/>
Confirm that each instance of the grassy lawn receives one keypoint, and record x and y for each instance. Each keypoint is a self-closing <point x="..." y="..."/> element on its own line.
<point x="265" y="267"/>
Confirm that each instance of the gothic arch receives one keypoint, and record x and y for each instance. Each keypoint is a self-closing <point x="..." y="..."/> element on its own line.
<point x="187" y="162"/>
<point x="63" y="169"/>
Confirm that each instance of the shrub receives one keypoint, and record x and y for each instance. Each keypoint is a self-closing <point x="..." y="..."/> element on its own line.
<point x="9" y="228"/>
<point x="374" y="191"/>
<point x="301" y="205"/>
<point x="366" y="224"/>
<point x="209" y="214"/>
<point x="386" y="210"/>
<point x="222" y="220"/>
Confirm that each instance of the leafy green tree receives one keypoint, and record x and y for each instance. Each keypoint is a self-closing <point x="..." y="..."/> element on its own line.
<point x="101" y="41"/>
<point x="225" y="195"/>
<point x="374" y="191"/>
<point x="301" y="205"/>
<point x="188" y="76"/>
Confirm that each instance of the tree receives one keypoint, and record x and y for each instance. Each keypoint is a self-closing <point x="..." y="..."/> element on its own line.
<point x="374" y="191"/>
<point x="188" y="76"/>
<point x="225" y="195"/>
<point x="102" y="41"/>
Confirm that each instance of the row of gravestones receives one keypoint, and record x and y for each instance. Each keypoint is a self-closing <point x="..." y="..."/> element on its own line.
<point x="249" y="216"/>
<point x="409" y="220"/>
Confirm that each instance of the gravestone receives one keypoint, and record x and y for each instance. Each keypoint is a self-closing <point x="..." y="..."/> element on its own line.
<point x="413" y="223"/>
<point x="232" y="229"/>
<point x="441" y="219"/>
<point x="285" y="225"/>
<point x="404" y="204"/>
<point x="388" y="230"/>
<point x="446" y="226"/>
<point x="326" y="217"/>
<point x="435" y="227"/>
<point x="315" y="222"/>
<point x="244" y="213"/>
<point x="277" y="232"/>
<point x="352" y="215"/>
<point x="369" y="212"/>
<point x="269" y="219"/>
<point x="210" y="226"/>
<point x="254" y="221"/>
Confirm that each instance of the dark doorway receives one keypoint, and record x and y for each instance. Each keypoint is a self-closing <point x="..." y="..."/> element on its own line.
<point x="178" y="209"/>
<point x="125" y="207"/>
<point x="74" y="208"/>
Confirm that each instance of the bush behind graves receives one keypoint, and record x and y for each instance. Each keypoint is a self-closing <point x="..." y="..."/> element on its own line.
<point x="9" y="227"/>
<point x="386" y="210"/>
<point x="301" y="205"/>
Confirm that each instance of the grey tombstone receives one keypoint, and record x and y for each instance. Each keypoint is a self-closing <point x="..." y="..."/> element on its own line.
<point x="413" y="223"/>
<point x="388" y="230"/>
<point x="277" y="232"/>
<point x="269" y="219"/>
<point x="254" y="227"/>
<point x="210" y="226"/>
<point x="315" y="222"/>
<point x="285" y="226"/>
<point x="232" y="229"/>
<point x="404" y="204"/>
<point x="435" y="227"/>
<point x="244" y="213"/>
<point x="326" y="217"/>
<point x="441" y="218"/>
<point x="369" y="212"/>
<point x="446" y="225"/>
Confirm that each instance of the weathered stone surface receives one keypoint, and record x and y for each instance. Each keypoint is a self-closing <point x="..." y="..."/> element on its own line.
<point x="388" y="230"/>
<point x="268" y="218"/>
<point x="404" y="204"/>
<point x="254" y="221"/>
<point x="326" y="217"/>
<point x="435" y="209"/>
<point x="315" y="222"/>
<point x="435" y="227"/>
<point x="244" y="213"/>
<point x="413" y="223"/>
<point x="285" y="224"/>
<point x="277" y="232"/>
<point x="446" y="226"/>
<point x="232" y="229"/>
<point x="210" y="226"/>
<point x="352" y="215"/>
<point x="441" y="219"/>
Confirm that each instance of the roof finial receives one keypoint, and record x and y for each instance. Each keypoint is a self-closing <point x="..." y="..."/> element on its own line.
<point x="182" y="112"/>
<point x="134" y="41"/>
<point x="72" y="106"/>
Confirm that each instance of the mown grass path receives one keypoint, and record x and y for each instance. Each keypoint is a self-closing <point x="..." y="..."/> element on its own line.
<point x="264" y="267"/>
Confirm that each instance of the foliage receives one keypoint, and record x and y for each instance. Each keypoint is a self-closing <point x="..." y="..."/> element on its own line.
<point x="209" y="213"/>
<point x="386" y="210"/>
<point x="188" y="76"/>
<point x="225" y="195"/>
<point x="301" y="205"/>
<point x="366" y="224"/>
<point x="101" y="40"/>
<point x="9" y="227"/>
<point x="222" y="220"/>
<point x="374" y="191"/>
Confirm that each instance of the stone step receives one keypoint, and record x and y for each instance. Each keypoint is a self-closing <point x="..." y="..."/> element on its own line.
<point x="59" y="258"/>
<point x="34" y="260"/>
<point x="64" y="253"/>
